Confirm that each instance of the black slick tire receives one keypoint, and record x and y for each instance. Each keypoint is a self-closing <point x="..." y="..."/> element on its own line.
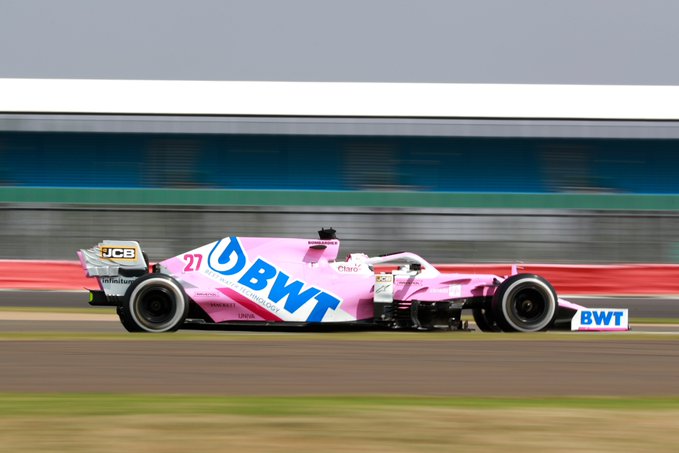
<point x="525" y="303"/>
<point x="126" y="320"/>
<point x="154" y="303"/>
<point x="483" y="317"/>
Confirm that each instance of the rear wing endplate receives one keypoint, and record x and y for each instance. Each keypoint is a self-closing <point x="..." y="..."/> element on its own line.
<point x="111" y="258"/>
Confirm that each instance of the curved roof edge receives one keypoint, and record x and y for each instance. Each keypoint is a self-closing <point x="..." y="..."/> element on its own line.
<point x="340" y="99"/>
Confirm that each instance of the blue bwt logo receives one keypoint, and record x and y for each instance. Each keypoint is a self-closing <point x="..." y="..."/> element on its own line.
<point x="228" y="258"/>
<point x="601" y="318"/>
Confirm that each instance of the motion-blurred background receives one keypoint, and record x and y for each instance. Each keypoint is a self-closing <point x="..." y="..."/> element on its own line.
<point x="570" y="190"/>
<point x="250" y="170"/>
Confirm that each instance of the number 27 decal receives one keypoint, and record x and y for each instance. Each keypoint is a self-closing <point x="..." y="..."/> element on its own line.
<point x="193" y="261"/>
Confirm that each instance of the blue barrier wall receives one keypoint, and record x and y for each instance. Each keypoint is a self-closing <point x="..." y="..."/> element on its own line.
<point x="339" y="163"/>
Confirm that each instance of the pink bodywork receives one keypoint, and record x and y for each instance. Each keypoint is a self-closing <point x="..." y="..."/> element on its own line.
<point x="300" y="280"/>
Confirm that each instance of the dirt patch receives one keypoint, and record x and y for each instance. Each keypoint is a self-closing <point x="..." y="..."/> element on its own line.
<point x="369" y="430"/>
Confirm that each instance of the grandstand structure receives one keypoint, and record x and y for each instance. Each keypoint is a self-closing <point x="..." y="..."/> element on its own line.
<point x="460" y="171"/>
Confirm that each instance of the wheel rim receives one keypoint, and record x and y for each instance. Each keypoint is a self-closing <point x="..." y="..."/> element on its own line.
<point x="529" y="305"/>
<point x="156" y="307"/>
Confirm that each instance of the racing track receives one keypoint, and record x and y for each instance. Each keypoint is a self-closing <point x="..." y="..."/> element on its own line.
<point x="332" y="363"/>
<point x="318" y="364"/>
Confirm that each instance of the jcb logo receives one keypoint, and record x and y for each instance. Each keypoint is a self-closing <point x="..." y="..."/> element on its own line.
<point x="119" y="253"/>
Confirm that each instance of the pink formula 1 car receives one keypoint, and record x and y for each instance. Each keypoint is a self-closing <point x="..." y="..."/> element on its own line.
<point x="239" y="280"/>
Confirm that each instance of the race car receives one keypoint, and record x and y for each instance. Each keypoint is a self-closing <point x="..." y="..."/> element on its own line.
<point x="265" y="281"/>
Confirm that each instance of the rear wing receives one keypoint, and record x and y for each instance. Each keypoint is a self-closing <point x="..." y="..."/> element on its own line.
<point x="112" y="258"/>
<point x="115" y="264"/>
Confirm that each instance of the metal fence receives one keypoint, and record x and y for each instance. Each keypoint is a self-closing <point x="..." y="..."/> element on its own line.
<point x="440" y="235"/>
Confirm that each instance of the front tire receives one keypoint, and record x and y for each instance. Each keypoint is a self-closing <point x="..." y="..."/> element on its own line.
<point x="484" y="319"/>
<point x="154" y="303"/>
<point x="525" y="303"/>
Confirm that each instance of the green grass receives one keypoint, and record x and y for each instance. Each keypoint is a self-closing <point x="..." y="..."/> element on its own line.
<point x="659" y="321"/>
<point x="117" y="404"/>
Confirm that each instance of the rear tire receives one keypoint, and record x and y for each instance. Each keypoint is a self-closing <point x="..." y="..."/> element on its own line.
<point x="525" y="303"/>
<point x="126" y="320"/>
<point x="154" y="303"/>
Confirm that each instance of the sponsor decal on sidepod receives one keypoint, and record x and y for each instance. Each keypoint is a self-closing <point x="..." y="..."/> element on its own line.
<point x="229" y="260"/>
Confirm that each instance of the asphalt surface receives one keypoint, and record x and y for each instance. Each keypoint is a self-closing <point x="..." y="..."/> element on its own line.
<point x="324" y="366"/>
<point x="636" y="363"/>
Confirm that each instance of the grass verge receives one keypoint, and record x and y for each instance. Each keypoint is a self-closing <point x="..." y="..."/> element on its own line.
<point x="92" y="404"/>
<point x="659" y="321"/>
